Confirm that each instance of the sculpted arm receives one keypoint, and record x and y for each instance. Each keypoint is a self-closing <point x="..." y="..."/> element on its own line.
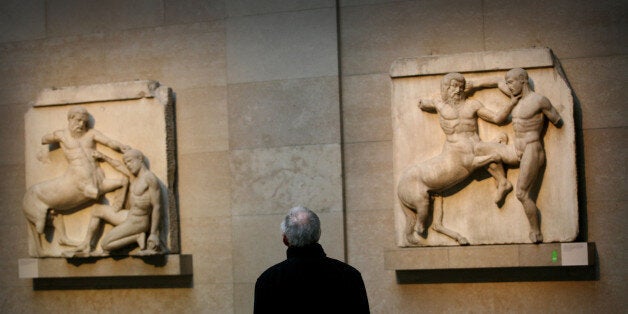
<point x="481" y="83"/>
<point x="427" y="105"/>
<point x="500" y="116"/>
<point x="116" y="164"/>
<point x="50" y="138"/>
<point x="155" y="199"/>
<point x="551" y="112"/>
<point x="115" y="145"/>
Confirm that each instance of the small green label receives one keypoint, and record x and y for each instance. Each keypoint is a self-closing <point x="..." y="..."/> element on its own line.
<point x="554" y="256"/>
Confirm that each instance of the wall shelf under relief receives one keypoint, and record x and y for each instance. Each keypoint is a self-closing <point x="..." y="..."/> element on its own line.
<point x="157" y="271"/>
<point x="494" y="263"/>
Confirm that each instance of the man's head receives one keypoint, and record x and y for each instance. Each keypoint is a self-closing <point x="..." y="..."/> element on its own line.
<point x="452" y="87"/>
<point x="517" y="80"/>
<point x="77" y="120"/>
<point x="133" y="159"/>
<point x="301" y="227"/>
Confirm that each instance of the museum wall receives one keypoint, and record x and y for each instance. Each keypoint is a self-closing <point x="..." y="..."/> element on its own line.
<point x="280" y="103"/>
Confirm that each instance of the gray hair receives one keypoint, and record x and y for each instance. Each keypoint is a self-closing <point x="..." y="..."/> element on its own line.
<point x="301" y="227"/>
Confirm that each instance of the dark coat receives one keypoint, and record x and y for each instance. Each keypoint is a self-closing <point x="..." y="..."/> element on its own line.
<point x="310" y="282"/>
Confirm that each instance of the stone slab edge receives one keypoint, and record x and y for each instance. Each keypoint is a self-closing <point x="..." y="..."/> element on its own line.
<point x="159" y="265"/>
<point x="491" y="256"/>
<point x="97" y="92"/>
<point x="472" y="62"/>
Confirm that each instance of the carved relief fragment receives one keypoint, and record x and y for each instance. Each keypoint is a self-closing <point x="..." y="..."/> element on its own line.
<point x="462" y="143"/>
<point x="90" y="190"/>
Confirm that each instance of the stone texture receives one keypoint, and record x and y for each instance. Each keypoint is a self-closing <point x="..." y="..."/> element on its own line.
<point x="174" y="265"/>
<point x="202" y="124"/>
<point x="490" y="256"/>
<point x="373" y="36"/>
<point x="96" y="93"/>
<point x="471" y="211"/>
<point x="599" y="83"/>
<point x="574" y="28"/>
<point x="277" y="113"/>
<point x="93" y="16"/>
<point x="271" y="181"/>
<point x="605" y="152"/>
<point x="368" y="168"/>
<point x="10" y="135"/>
<point x="282" y="46"/>
<point x="366" y="108"/>
<point x="256" y="7"/>
<point x="12" y="189"/>
<point x="213" y="258"/>
<point x="206" y="180"/>
<point x="22" y="20"/>
<point x="471" y="62"/>
<point x="190" y="11"/>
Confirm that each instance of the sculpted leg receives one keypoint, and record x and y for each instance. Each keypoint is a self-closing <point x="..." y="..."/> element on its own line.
<point x="532" y="161"/>
<point x="59" y="225"/>
<point x="503" y="185"/>
<point x="437" y="225"/>
<point x="498" y="147"/>
<point x="119" y="186"/>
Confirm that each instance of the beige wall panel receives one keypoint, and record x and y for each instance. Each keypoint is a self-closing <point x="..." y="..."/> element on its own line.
<point x="257" y="242"/>
<point x="67" y="17"/>
<point x="368" y="176"/>
<point x="202" y="124"/>
<point x="600" y="83"/>
<point x="181" y="56"/>
<point x="282" y="113"/>
<point x="605" y="152"/>
<point x="271" y="181"/>
<point x="608" y="220"/>
<point x="211" y="298"/>
<point x="282" y="46"/>
<point x="571" y="28"/>
<point x="256" y="245"/>
<point x="204" y="185"/>
<point x="366" y="253"/>
<point x="244" y="295"/>
<point x="12" y="134"/>
<point x="366" y="108"/>
<point x="22" y="20"/>
<point x="194" y="55"/>
<point x="14" y="245"/>
<point x="190" y="11"/>
<point x="347" y="3"/>
<point x="209" y="241"/>
<point x="12" y="189"/>
<point x="373" y="36"/>
<point x="256" y="7"/>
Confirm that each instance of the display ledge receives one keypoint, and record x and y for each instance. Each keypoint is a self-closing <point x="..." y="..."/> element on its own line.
<point x="157" y="271"/>
<point x="492" y="263"/>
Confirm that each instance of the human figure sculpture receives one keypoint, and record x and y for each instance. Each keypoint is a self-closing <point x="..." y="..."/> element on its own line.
<point x="528" y="119"/>
<point x="132" y="224"/>
<point x="82" y="182"/>
<point x="463" y="152"/>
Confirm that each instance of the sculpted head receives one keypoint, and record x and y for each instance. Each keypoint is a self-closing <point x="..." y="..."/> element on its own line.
<point x="133" y="159"/>
<point x="301" y="227"/>
<point x="77" y="120"/>
<point x="517" y="80"/>
<point x="452" y="87"/>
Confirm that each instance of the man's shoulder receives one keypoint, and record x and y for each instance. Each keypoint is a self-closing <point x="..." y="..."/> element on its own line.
<point x="342" y="266"/>
<point x="270" y="271"/>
